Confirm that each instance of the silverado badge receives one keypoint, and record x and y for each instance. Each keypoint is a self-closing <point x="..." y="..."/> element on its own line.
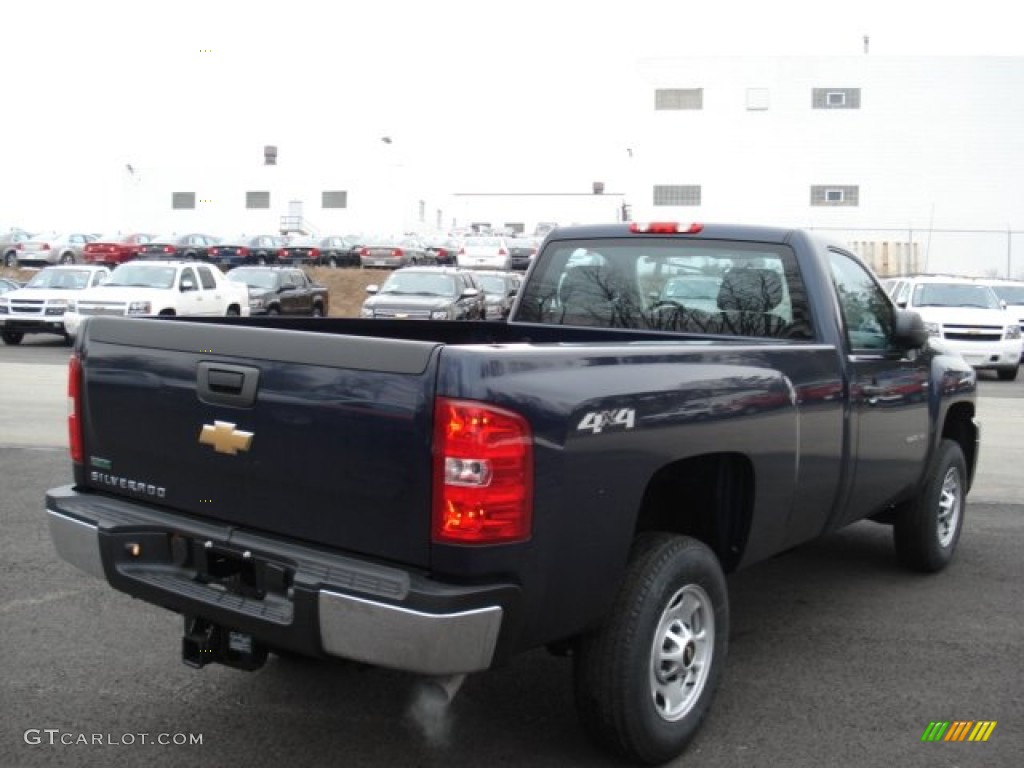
<point x="225" y="438"/>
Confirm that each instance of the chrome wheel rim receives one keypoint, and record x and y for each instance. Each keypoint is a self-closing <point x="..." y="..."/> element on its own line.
<point x="682" y="652"/>
<point x="950" y="501"/>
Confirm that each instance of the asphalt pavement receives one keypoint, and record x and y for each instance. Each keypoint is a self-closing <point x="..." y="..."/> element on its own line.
<point x="837" y="656"/>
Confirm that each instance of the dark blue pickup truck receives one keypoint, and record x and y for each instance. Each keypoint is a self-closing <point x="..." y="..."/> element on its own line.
<point x="667" y="403"/>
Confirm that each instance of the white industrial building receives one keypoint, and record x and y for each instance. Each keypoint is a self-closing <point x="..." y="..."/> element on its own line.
<point x="913" y="161"/>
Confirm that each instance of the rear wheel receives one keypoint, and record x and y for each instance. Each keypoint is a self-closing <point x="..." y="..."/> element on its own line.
<point x="318" y="310"/>
<point x="233" y="311"/>
<point x="645" y="678"/>
<point x="927" y="528"/>
<point x="12" y="337"/>
<point x="10" y="260"/>
<point x="67" y="258"/>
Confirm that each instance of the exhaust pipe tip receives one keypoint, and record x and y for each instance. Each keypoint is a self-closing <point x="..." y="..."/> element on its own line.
<point x="442" y="690"/>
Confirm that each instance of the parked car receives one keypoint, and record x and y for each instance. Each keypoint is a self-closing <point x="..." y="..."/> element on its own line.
<point x="484" y="253"/>
<point x="426" y="293"/>
<point x="171" y="287"/>
<point x="9" y="241"/>
<point x="500" y="289"/>
<point x="330" y="251"/>
<point x="1009" y="291"/>
<point x="246" y="249"/>
<point x="41" y="306"/>
<point x="111" y="250"/>
<point x="53" y="248"/>
<point x="444" y="251"/>
<point x="282" y="291"/>
<point x="967" y="317"/>
<point x="521" y="251"/>
<point x="194" y="245"/>
<point x="393" y="252"/>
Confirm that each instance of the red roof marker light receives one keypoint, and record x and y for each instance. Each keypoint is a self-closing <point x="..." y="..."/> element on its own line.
<point x="664" y="228"/>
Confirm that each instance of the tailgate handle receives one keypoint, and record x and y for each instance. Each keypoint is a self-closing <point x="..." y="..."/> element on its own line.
<point x="225" y="384"/>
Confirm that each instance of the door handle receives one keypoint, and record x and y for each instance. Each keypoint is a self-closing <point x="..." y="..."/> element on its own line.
<point x="226" y="384"/>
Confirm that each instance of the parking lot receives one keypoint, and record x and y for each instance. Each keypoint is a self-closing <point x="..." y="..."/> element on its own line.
<point x="837" y="657"/>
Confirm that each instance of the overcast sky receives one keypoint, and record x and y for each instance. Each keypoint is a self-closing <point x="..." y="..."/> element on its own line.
<point x="474" y="91"/>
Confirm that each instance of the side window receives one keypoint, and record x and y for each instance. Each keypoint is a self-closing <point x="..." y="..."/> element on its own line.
<point x="187" y="279"/>
<point x="868" y="315"/>
<point x="208" y="280"/>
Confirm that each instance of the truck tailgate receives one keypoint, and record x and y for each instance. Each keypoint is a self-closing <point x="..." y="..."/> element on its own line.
<point x="320" y="437"/>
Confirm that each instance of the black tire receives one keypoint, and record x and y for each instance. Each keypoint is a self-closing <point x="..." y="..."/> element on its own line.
<point x="67" y="258"/>
<point x="927" y="528"/>
<point x="273" y="310"/>
<point x="332" y="262"/>
<point x="1007" y="374"/>
<point x="641" y="697"/>
<point x="318" y="310"/>
<point x="10" y="260"/>
<point x="233" y="311"/>
<point x="12" y="337"/>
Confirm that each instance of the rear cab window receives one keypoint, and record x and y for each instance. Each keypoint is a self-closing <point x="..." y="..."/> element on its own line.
<point x="670" y="284"/>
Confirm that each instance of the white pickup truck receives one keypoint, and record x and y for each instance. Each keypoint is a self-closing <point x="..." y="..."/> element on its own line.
<point x="141" y="288"/>
<point x="42" y="305"/>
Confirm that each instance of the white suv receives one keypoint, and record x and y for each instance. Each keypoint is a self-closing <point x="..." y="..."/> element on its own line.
<point x="968" y="317"/>
<point x="45" y="302"/>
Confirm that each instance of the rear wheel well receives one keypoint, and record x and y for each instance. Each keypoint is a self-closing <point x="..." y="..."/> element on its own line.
<point x="709" y="498"/>
<point x="167" y="312"/>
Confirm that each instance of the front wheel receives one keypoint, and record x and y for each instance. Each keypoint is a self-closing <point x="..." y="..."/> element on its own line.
<point x="1007" y="374"/>
<point x="927" y="528"/>
<point x="10" y="260"/>
<point x="645" y="678"/>
<point x="12" y="337"/>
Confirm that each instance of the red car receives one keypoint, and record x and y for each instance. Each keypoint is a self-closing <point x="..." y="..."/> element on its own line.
<point x="115" y="249"/>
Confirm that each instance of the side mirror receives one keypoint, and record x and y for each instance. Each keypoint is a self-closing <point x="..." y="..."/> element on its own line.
<point x="373" y="288"/>
<point x="910" y="331"/>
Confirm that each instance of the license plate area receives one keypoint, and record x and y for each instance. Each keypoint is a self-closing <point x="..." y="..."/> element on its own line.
<point x="239" y="572"/>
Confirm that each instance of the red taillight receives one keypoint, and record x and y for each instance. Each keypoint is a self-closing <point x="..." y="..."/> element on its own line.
<point x="664" y="228"/>
<point x="168" y="249"/>
<point x="462" y="251"/>
<point x="243" y="251"/>
<point x="483" y="474"/>
<point x="397" y="253"/>
<point x="502" y="252"/>
<point x="282" y="253"/>
<point x="364" y="251"/>
<point x="75" y="409"/>
<point x="442" y="252"/>
<point x="314" y="253"/>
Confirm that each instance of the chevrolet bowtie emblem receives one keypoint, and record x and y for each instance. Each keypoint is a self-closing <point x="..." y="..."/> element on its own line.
<point x="225" y="438"/>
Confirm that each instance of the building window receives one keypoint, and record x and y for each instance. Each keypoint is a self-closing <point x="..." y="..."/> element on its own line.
<point x="835" y="195"/>
<point x="677" y="194"/>
<point x="334" y="199"/>
<point x="835" y="98"/>
<point x="183" y="200"/>
<point x="257" y="199"/>
<point x="678" y="98"/>
<point x="757" y="99"/>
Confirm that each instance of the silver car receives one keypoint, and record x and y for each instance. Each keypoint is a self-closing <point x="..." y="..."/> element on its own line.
<point x="53" y="248"/>
<point x="9" y="246"/>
